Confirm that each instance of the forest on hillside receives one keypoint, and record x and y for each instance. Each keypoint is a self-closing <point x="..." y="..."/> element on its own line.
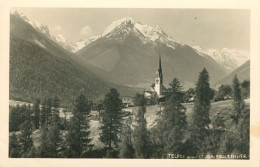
<point x="126" y="135"/>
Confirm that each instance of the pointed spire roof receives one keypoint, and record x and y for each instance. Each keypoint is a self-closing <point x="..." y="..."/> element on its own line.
<point x="160" y="65"/>
<point x="160" y="69"/>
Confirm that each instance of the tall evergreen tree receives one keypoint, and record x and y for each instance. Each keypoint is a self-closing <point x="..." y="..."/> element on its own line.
<point x="202" y="101"/>
<point x="14" y="146"/>
<point x="238" y="102"/>
<point x="142" y="141"/>
<point x="43" y="114"/>
<point x="36" y="113"/>
<point x="26" y="138"/>
<point x="48" y="111"/>
<point x="127" y="150"/>
<point x="78" y="134"/>
<point x="54" y="139"/>
<point x="174" y="119"/>
<point x="200" y="116"/>
<point x="14" y="119"/>
<point x="111" y="121"/>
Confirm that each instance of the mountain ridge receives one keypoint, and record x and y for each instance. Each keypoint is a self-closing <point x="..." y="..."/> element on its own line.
<point x="43" y="69"/>
<point x="130" y="57"/>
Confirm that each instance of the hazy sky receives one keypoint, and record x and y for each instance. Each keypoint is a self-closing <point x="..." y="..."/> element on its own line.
<point x="211" y="28"/>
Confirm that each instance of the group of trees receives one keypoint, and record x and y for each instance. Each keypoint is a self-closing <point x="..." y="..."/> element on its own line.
<point x="225" y="91"/>
<point x="129" y="137"/>
<point x="57" y="137"/>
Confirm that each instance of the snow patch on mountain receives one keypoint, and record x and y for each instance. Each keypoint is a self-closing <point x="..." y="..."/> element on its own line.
<point x="228" y="58"/>
<point x="59" y="39"/>
<point x="146" y="33"/>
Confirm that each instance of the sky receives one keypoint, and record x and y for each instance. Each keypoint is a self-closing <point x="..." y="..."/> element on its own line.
<point x="207" y="28"/>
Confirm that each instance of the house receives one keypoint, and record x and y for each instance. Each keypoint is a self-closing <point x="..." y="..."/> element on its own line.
<point x="127" y="101"/>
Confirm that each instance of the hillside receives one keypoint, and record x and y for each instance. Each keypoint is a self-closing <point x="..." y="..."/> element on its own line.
<point x="242" y="72"/>
<point x="127" y="52"/>
<point x="40" y="68"/>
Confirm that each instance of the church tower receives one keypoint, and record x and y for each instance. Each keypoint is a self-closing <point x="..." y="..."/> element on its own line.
<point x="159" y="79"/>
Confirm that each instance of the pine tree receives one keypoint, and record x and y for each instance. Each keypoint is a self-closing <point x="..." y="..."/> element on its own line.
<point x="14" y="146"/>
<point x="36" y="113"/>
<point x="43" y="114"/>
<point x="111" y="121"/>
<point x="238" y="102"/>
<point x="142" y="141"/>
<point x="127" y="150"/>
<point x="48" y="111"/>
<point x="14" y="119"/>
<point x="54" y="138"/>
<point x="26" y="138"/>
<point x="200" y="116"/>
<point x="44" y="144"/>
<point x="78" y="135"/>
<point x="174" y="119"/>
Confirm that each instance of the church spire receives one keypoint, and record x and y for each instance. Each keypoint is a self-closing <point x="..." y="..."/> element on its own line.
<point x="160" y="69"/>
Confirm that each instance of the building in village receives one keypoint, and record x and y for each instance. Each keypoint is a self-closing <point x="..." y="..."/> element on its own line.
<point x="127" y="101"/>
<point x="156" y="91"/>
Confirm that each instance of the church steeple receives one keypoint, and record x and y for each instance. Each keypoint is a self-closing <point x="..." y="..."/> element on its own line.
<point x="159" y="78"/>
<point x="160" y="69"/>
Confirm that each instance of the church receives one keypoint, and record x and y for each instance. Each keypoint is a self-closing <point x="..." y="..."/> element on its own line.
<point x="157" y="89"/>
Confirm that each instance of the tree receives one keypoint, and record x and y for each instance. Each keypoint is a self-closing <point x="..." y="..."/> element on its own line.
<point x="14" y="146"/>
<point x="54" y="139"/>
<point x="36" y="114"/>
<point x="127" y="150"/>
<point x="224" y="91"/>
<point x="174" y="119"/>
<point x="26" y="138"/>
<point x="200" y="115"/>
<point x="245" y="89"/>
<point x="202" y="101"/>
<point x="44" y="142"/>
<point x="142" y="142"/>
<point x="111" y="121"/>
<point x="14" y="119"/>
<point x="189" y="95"/>
<point x="238" y="102"/>
<point x="43" y="114"/>
<point x="78" y="135"/>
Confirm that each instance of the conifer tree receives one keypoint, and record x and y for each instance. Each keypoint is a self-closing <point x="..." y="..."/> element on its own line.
<point x="14" y="146"/>
<point x="43" y="114"/>
<point x="142" y="141"/>
<point x="200" y="115"/>
<point x="238" y="102"/>
<point x="14" y="119"/>
<point x="78" y="136"/>
<point x="44" y="144"/>
<point x="127" y="150"/>
<point x="54" y="139"/>
<point x="111" y="121"/>
<point x="26" y="138"/>
<point x="174" y="119"/>
<point x="36" y="113"/>
<point x="202" y="101"/>
<point x="48" y="111"/>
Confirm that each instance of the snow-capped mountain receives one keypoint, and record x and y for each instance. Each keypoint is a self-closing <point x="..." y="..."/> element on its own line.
<point x="59" y="39"/>
<point x="127" y="52"/>
<point x="147" y="34"/>
<point x="230" y="59"/>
